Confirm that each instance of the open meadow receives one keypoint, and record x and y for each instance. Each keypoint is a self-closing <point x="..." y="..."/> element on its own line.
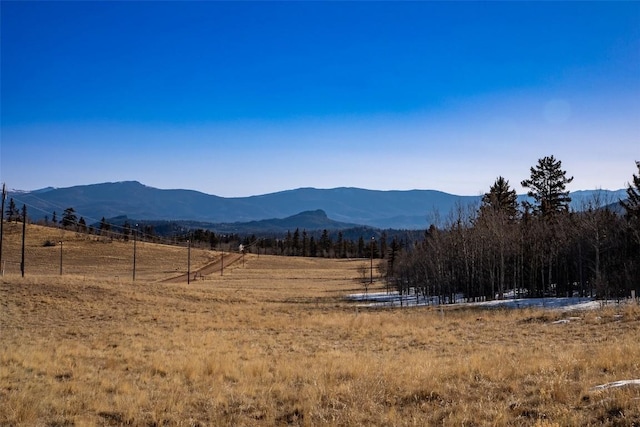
<point x="273" y="341"/>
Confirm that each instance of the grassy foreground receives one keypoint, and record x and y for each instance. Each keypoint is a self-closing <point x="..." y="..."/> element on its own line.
<point x="274" y="343"/>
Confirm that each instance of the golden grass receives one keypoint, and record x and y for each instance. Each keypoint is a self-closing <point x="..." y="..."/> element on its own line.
<point x="274" y="343"/>
<point x="95" y="256"/>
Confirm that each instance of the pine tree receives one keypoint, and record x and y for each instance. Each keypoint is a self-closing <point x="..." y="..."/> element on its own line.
<point x="393" y="254"/>
<point x="632" y="204"/>
<point x="548" y="187"/>
<point x="104" y="226"/>
<point x="341" y="250"/>
<point x="325" y="243"/>
<point x="69" y="217"/>
<point x="305" y="243"/>
<point x="126" y="230"/>
<point x="360" y="247"/>
<point x="295" y="243"/>
<point x="497" y="213"/>
<point x="12" y="212"/>
<point x="149" y="231"/>
<point x="383" y="245"/>
<point x="82" y="225"/>
<point x="287" y="243"/>
<point x="501" y="198"/>
<point x="313" y="247"/>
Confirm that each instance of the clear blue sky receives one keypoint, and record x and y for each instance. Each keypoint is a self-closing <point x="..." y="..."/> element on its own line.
<point x="238" y="99"/>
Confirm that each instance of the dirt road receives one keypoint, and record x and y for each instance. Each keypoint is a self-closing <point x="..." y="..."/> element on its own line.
<point x="214" y="267"/>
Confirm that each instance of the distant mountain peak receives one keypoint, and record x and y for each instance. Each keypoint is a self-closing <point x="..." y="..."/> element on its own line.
<point x="318" y="213"/>
<point x="128" y="183"/>
<point x="43" y="190"/>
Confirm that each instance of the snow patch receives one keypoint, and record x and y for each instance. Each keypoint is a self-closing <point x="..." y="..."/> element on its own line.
<point x="616" y="384"/>
<point x="393" y="299"/>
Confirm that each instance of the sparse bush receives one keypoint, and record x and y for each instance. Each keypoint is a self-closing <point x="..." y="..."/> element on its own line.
<point x="49" y="243"/>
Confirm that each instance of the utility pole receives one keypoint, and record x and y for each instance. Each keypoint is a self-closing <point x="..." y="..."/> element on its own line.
<point x="188" y="261"/>
<point x="135" y="237"/>
<point x="373" y="239"/>
<point x="61" y="257"/>
<point x="24" y="232"/>
<point x="4" y="197"/>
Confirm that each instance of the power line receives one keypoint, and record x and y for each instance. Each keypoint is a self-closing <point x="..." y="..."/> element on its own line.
<point x="112" y="226"/>
<point x="117" y="228"/>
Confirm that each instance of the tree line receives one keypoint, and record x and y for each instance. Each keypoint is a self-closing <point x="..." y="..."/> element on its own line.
<point x="359" y="242"/>
<point x="69" y="220"/>
<point x="535" y="249"/>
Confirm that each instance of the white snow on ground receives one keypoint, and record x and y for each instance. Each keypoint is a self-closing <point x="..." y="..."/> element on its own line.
<point x="574" y="303"/>
<point x="616" y="384"/>
<point x="393" y="299"/>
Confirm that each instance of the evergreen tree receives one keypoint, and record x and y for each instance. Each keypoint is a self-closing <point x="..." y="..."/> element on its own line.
<point x="632" y="204"/>
<point x="632" y="208"/>
<point x="54" y="218"/>
<point x="501" y="198"/>
<point x="360" y="247"/>
<point x="305" y="243"/>
<point x="296" y="242"/>
<point x="213" y="240"/>
<point x="148" y="231"/>
<point x="383" y="245"/>
<point x="12" y="213"/>
<point x="287" y="243"/>
<point x="341" y="249"/>
<point x="497" y="214"/>
<point x="82" y="225"/>
<point x="325" y="243"/>
<point x="313" y="247"/>
<point x="547" y="186"/>
<point x="104" y="226"/>
<point x="126" y="230"/>
<point x="393" y="254"/>
<point x="69" y="218"/>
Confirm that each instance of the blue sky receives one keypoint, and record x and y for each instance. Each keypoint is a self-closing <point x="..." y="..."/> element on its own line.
<point x="243" y="98"/>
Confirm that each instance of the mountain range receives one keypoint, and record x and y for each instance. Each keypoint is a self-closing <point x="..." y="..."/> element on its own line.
<point x="346" y="207"/>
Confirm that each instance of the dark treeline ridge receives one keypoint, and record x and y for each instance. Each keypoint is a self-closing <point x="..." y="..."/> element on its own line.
<point x="495" y="250"/>
<point x="355" y="242"/>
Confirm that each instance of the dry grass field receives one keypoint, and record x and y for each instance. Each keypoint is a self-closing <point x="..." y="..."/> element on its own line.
<point x="273" y="342"/>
